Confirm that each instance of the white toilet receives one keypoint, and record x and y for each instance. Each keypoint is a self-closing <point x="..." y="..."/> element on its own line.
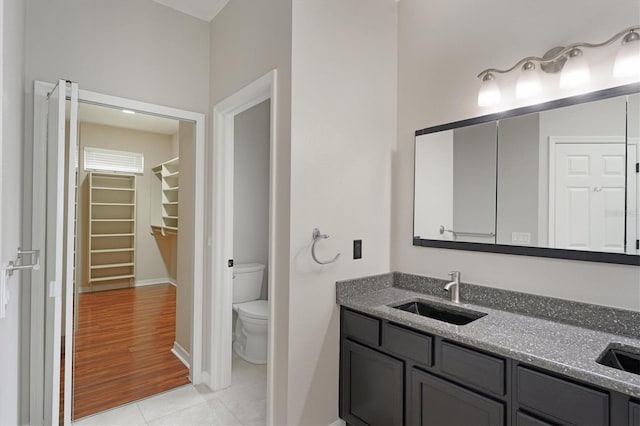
<point x="250" y="337"/>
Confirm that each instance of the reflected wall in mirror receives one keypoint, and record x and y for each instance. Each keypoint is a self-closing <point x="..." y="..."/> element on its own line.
<point x="555" y="180"/>
<point x="455" y="196"/>
<point x="561" y="178"/>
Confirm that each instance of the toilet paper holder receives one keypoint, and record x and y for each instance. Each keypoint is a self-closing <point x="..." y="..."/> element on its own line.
<point x="317" y="236"/>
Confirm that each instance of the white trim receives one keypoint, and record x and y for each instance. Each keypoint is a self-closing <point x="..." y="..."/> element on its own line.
<point x="69" y="280"/>
<point x="553" y="142"/>
<point x="38" y="239"/>
<point x="221" y="160"/>
<point x="39" y="155"/>
<point x="2" y="141"/>
<point x="341" y="422"/>
<point x="182" y="354"/>
<point x="172" y="281"/>
<point x="152" y="281"/>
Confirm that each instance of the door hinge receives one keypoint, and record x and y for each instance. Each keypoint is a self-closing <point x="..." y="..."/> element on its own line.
<point x="230" y="263"/>
<point x="55" y="289"/>
<point x="637" y="167"/>
<point x="637" y="244"/>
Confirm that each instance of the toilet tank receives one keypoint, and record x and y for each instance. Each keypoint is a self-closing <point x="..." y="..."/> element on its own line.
<point x="247" y="282"/>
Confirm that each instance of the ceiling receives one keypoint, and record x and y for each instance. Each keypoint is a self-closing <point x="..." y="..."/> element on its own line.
<point x="201" y="9"/>
<point x="97" y="114"/>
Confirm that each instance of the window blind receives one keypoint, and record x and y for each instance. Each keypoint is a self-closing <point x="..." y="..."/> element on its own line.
<point x="109" y="160"/>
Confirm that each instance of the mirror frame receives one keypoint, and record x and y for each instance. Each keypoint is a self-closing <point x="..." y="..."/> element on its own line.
<point x="554" y="253"/>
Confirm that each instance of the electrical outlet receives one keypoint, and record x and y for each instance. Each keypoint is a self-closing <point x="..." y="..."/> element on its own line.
<point x="357" y="249"/>
<point x="521" y="238"/>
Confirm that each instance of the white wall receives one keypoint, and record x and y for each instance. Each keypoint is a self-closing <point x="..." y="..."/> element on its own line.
<point x="440" y="54"/>
<point x="251" y="187"/>
<point x="518" y="164"/>
<point x="474" y="181"/>
<point x="11" y="126"/>
<point x="248" y="39"/>
<point x="342" y="137"/>
<point x="434" y="180"/>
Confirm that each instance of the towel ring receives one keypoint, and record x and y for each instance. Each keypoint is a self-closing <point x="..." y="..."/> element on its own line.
<point x="317" y="236"/>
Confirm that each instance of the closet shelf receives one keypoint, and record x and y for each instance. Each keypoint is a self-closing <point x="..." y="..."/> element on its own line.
<point x="107" y="255"/>
<point x="111" y="188"/>
<point x="165" y="193"/>
<point x="112" y="278"/>
<point x="112" y="265"/>
<point x="115" y="250"/>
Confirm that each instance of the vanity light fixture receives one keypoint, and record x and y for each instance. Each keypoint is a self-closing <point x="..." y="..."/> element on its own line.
<point x="570" y="61"/>
<point x="529" y="84"/>
<point x="489" y="91"/>
<point x="575" y="72"/>
<point x="628" y="59"/>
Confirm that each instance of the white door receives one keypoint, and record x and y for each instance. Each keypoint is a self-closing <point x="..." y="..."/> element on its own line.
<point x="53" y="229"/>
<point x="590" y="196"/>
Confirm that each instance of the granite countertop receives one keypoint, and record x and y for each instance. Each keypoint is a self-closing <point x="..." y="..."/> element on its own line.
<point x="549" y="344"/>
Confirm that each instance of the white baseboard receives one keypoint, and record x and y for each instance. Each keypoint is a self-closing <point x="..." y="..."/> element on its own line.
<point x="338" y="422"/>
<point x="153" y="281"/>
<point x="181" y="354"/>
<point x="172" y="281"/>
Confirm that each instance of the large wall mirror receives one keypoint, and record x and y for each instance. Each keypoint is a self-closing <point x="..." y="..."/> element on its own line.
<point x="558" y="180"/>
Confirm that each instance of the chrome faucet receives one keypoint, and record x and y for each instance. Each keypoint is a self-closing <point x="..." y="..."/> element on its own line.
<point x="453" y="287"/>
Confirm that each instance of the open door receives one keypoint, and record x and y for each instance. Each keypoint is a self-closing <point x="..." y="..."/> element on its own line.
<point x="53" y="232"/>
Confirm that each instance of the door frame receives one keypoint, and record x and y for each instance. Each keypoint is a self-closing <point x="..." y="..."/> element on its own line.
<point x="221" y="158"/>
<point x="41" y="89"/>
<point x="558" y="140"/>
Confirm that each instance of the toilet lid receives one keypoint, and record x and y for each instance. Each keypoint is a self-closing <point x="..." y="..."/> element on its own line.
<point x="256" y="309"/>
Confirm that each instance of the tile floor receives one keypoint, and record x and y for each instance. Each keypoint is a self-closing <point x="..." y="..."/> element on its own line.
<point x="243" y="403"/>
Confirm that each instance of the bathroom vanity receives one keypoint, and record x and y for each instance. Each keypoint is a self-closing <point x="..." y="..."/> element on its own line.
<point x="502" y="368"/>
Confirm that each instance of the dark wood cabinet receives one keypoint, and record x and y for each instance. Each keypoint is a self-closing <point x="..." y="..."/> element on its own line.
<point x="561" y="400"/>
<point x="438" y="402"/>
<point x="393" y="375"/>
<point x="372" y="387"/>
<point x="634" y="414"/>
<point x="524" y="419"/>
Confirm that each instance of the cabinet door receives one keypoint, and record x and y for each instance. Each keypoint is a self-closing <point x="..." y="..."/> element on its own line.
<point x="437" y="402"/>
<point x="634" y="414"/>
<point x="372" y="386"/>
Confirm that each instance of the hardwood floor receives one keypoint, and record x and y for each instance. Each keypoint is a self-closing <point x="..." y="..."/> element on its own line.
<point x="123" y="348"/>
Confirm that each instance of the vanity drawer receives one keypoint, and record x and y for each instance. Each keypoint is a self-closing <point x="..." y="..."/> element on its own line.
<point x="484" y="372"/>
<point x="564" y="401"/>
<point x="361" y="327"/>
<point x="523" y="419"/>
<point x="407" y="343"/>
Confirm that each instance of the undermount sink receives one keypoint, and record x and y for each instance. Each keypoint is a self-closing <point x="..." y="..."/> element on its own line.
<point x="457" y="316"/>
<point x="621" y="358"/>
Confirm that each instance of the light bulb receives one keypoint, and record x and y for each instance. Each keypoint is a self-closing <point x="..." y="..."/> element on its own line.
<point x="529" y="84"/>
<point x="627" y="62"/>
<point x="575" y="71"/>
<point x="489" y="93"/>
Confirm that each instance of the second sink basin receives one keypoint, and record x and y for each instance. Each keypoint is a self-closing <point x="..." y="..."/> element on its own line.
<point x="621" y="358"/>
<point x="457" y="316"/>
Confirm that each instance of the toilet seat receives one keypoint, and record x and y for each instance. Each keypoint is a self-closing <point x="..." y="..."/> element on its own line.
<point x="258" y="309"/>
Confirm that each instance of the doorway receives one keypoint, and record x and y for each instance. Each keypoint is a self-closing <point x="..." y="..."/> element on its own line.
<point x="127" y="237"/>
<point x="222" y="158"/>
<point x="44" y="381"/>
